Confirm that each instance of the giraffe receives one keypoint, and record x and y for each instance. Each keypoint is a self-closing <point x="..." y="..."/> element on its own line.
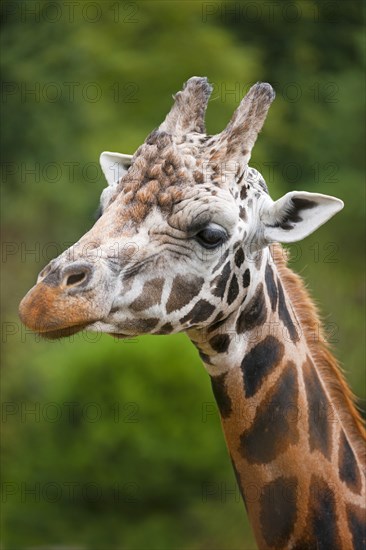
<point x="188" y="240"/>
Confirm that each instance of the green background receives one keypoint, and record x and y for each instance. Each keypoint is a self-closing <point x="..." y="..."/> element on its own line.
<point x="124" y="448"/>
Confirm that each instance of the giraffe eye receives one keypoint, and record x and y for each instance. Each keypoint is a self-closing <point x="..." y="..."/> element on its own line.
<point x="211" y="237"/>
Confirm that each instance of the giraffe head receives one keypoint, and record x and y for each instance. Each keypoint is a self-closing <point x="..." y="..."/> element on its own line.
<point x="181" y="223"/>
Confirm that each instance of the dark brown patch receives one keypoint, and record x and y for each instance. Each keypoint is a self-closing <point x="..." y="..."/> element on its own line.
<point x="356" y="518"/>
<point x="255" y="312"/>
<point x="259" y="363"/>
<point x="320" y="437"/>
<point x="184" y="289"/>
<point x="240" y="179"/>
<point x="348" y="469"/>
<point x="321" y="525"/>
<point x="220" y="343"/>
<point x="284" y="314"/>
<point x="278" y="511"/>
<point x="200" y="312"/>
<point x="165" y="329"/>
<point x="239" y="257"/>
<point x="274" y="427"/>
<point x="221" y="396"/>
<point x="243" y="214"/>
<point x="219" y="283"/>
<point x="271" y="286"/>
<point x="139" y="326"/>
<point x="150" y="295"/>
<point x="243" y="191"/>
<point x="246" y="278"/>
<point x="233" y="290"/>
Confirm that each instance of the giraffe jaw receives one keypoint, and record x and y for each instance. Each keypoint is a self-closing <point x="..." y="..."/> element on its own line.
<point x="120" y="336"/>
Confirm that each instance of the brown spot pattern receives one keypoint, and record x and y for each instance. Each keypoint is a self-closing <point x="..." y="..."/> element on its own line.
<point x="255" y="312"/>
<point x="356" y="519"/>
<point x="184" y="289"/>
<point x="278" y="511"/>
<point x="319" y="412"/>
<point x="233" y="290"/>
<point x="261" y="360"/>
<point x="239" y="257"/>
<point x="221" y="395"/>
<point x="271" y="286"/>
<point x="246" y="278"/>
<point x="274" y="428"/>
<point x="139" y="326"/>
<point x="165" y="329"/>
<point x="321" y="525"/>
<point x="220" y="343"/>
<point x="348" y="468"/>
<point x="200" y="312"/>
<point x="150" y="295"/>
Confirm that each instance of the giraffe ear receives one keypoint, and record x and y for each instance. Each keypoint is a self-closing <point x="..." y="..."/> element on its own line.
<point x="296" y="215"/>
<point x="114" y="165"/>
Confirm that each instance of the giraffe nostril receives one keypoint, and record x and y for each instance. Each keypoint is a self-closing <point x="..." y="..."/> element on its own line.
<point x="75" y="275"/>
<point x="75" y="279"/>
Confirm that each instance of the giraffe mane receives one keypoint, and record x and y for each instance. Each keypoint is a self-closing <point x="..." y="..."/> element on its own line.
<point x="327" y="366"/>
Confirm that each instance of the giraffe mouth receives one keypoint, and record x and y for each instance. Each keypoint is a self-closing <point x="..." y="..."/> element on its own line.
<point x="62" y="332"/>
<point x="70" y="331"/>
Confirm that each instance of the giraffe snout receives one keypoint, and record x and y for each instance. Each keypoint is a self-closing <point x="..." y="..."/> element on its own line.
<point x="61" y="302"/>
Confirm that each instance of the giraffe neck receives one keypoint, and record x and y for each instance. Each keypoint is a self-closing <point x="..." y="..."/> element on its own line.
<point x="296" y="456"/>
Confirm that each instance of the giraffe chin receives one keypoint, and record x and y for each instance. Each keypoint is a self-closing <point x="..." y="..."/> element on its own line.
<point x="120" y="336"/>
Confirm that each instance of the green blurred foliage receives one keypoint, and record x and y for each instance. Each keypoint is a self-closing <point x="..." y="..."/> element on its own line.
<point x="152" y="447"/>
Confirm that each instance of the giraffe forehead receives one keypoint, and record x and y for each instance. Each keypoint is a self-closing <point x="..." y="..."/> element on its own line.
<point x="167" y="171"/>
<point x="173" y="183"/>
<point x="157" y="177"/>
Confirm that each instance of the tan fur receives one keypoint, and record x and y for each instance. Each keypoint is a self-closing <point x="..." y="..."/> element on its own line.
<point x="327" y="366"/>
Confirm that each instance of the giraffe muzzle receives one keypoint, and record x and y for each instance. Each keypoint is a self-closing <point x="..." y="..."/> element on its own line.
<point x="61" y="303"/>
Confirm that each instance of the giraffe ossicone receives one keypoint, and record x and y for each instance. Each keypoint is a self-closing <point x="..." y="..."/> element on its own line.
<point x="185" y="242"/>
